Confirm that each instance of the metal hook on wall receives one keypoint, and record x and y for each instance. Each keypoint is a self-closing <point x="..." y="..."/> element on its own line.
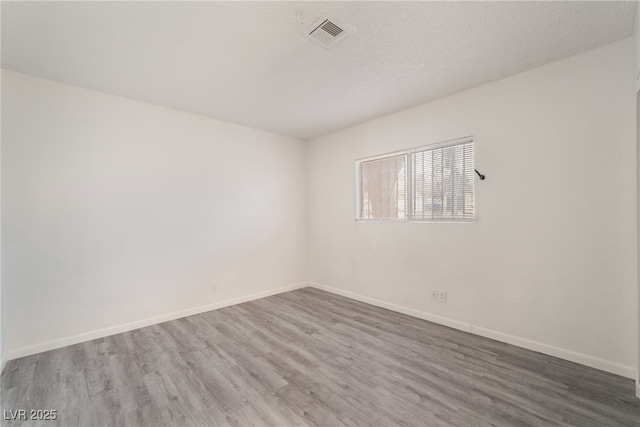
<point x="482" y="177"/>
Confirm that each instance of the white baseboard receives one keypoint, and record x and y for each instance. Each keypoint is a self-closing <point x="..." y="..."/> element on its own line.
<point x="562" y="353"/>
<point x="455" y="324"/>
<point x="137" y="324"/>
<point x="594" y="362"/>
<point x="572" y="356"/>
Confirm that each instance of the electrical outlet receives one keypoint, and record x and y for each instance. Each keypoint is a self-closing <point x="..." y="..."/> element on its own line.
<point x="442" y="296"/>
<point x="214" y="286"/>
<point x="434" y="295"/>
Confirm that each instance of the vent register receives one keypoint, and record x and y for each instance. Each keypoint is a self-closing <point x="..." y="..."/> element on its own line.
<point x="327" y="32"/>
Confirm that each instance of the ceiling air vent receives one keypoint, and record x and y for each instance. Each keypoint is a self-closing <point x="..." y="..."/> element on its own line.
<point x="327" y="32"/>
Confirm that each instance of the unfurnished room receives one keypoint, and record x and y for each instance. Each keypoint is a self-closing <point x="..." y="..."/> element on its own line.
<point x="265" y="213"/>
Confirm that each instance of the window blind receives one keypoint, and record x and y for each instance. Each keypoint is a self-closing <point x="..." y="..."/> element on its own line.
<point x="443" y="181"/>
<point x="424" y="184"/>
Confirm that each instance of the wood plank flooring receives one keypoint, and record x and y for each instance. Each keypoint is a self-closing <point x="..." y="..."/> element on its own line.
<point x="308" y="357"/>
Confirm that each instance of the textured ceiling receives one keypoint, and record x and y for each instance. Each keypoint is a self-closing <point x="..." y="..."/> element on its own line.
<point x="248" y="62"/>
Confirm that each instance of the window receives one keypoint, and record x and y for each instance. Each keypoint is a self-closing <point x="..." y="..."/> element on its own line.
<point x="433" y="183"/>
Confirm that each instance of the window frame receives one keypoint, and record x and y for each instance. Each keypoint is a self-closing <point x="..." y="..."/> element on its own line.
<point x="411" y="184"/>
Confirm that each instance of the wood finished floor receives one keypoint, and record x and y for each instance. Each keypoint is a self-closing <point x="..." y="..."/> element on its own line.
<point x="308" y="357"/>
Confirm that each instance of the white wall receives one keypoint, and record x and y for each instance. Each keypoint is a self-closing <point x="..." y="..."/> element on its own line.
<point x="550" y="263"/>
<point x="3" y="347"/>
<point x="636" y="51"/>
<point x="116" y="211"/>
<point x="638" y="178"/>
<point x="636" y="45"/>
